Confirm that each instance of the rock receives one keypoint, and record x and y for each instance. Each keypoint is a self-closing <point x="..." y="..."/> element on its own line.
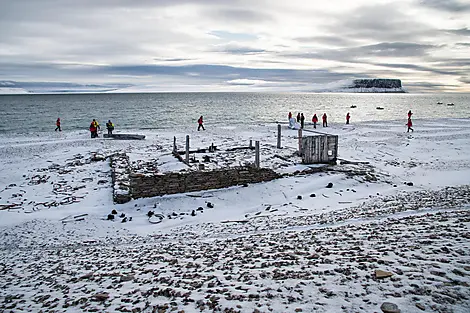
<point x="193" y="213"/>
<point x="124" y="220"/>
<point x="330" y="185"/>
<point x="299" y="197"/>
<point x="150" y="213"/>
<point x="101" y="296"/>
<point x="125" y="278"/>
<point x="388" y="307"/>
<point x="382" y="274"/>
<point x="420" y="306"/>
<point x="122" y="215"/>
<point x="110" y="217"/>
<point x="200" y="209"/>
<point x="245" y="185"/>
<point x="312" y="195"/>
<point x="210" y="205"/>
<point x="113" y="212"/>
<point x="298" y="310"/>
<point x="409" y="184"/>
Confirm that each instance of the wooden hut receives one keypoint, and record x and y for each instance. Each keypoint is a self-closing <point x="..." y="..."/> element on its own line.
<point x="319" y="149"/>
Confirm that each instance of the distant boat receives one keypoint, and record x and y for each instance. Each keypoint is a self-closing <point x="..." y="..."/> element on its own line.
<point x="450" y="104"/>
<point x="439" y="103"/>
<point x="353" y="106"/>
<point x="379" y="108"/>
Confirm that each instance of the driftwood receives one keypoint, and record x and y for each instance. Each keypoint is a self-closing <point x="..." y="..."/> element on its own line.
<point x="8" y="206"/>
<point x="343" y="161"/>
<point x="282" y="158"/>
<point x="240" y="148"/>
<point x="235" y="221"/>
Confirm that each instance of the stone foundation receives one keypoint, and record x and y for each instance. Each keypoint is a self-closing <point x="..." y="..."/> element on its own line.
<point x="142" y="186"/>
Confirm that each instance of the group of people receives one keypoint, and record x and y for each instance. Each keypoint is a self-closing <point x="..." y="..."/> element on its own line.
<point x="301" y="119"/>
<point x="94" y="127"/>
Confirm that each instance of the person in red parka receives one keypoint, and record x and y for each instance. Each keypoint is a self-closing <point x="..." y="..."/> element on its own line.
<point x="314" y="120"/>
<point x="325" y="121"/>
<point x="289" y="116"/>
<point x="409" y="114"/>
<point x="347" y="118"/>
<point x="200" y="121"/>
<point x="57" y="124"/>
<point x="409" y="124"/>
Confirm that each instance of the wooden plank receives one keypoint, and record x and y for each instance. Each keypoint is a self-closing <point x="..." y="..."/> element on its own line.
<point x="124" y="136"/>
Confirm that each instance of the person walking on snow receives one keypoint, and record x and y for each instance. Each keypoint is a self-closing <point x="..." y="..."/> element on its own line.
<point x="409" y="114"/>
<point x="302" y="120"/>
<point x="409" y="124"/>
<point x="57" y="123"/>
<point x="314" y="120"/>
<point x="347" y="118"/>
<point x="200" y="121"/>
<point x="325" y="121"/>
<point x="298" y="117"/>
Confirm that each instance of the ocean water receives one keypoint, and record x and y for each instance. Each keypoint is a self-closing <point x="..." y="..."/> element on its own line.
<point x="22" y="114"/>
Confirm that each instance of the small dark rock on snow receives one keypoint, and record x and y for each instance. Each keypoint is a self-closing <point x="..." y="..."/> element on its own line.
<point x="330" y="185"/>
<point x="312" y="195"/>
<point x="113" y="212"/>
<point x="110" y="217"/>
<point x="150" y="213"/>
<point x="299" y="197"/>
<point x="210" y="205"/>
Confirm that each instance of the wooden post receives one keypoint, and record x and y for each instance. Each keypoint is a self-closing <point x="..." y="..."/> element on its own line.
<point x="187" y="149"/>
<point x="257" y="154"/>
<point x="279" y="136"/>
<point x="251" y="143"/>
<point x="300" y="141"/>
<point x="174" y="144"/>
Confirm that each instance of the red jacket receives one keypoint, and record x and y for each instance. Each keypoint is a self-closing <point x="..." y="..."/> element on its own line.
<point x="315" y="119"/>
<point x="324" y="117"/>
<point x="410" y="123"/>
<point x="200" y="121"/>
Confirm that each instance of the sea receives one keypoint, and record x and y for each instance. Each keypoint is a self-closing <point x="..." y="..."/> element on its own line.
<point x="26" y="114"/>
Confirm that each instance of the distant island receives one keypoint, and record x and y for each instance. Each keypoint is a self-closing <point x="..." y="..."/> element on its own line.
<point x="375" y="85"/>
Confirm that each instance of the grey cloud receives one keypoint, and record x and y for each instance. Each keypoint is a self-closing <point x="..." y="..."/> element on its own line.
<point x="328" y="40"/>
<point x="464" y="44"/>
<point x="383" y="49"/>
<point x="379" y="23"/>
<point x="229" y="15"/>
<point x="465" y="80"/>
<point x="447" y="5"/>
<point x="460" y="32"/>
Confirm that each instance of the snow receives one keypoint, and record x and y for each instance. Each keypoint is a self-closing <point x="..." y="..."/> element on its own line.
<point x="404" y="209"/>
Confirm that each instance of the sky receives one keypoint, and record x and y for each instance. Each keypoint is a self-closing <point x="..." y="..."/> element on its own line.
<point x="237" y="45"/>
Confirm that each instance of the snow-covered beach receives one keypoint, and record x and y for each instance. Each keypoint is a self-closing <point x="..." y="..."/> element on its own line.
<point x="289" y="245"/>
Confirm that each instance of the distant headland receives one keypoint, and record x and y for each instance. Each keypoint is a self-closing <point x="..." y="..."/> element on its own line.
<point x="375" y="85"/>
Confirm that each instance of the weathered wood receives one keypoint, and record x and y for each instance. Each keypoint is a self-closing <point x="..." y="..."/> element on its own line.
<point x="174" y="144"/>
<point x="257" y="159"/>
<point x="240" y="148"/>
<point x="124" y="136"/>
<point x="300" y="142"/>
<point x="279" y="136"/>
<point x="319" y="149"/>
<point x="8" y="206"/>
<point x="187" y="149"/>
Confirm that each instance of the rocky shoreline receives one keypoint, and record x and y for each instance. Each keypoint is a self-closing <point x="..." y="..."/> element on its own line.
<point x="330" y="262"/>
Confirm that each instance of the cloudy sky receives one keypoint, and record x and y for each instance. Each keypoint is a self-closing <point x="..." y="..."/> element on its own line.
<point x="239" y="45"/>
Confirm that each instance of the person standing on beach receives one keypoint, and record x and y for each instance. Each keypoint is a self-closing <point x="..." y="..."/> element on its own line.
<point x="110" y="127"/>
<point x="94" y="126"/>
<point x="409" y="124"/>
<point x="302" y="120"/>
<point x="314" y="120"/>
<point x="57" y="123"/>
<point x="289" y="116"/>
<point x="409" y="114"/>
<point x="200" y="121"/>
<point x="325" y="120"/>
<point x="298" y="117"/>
<point x="347" y="118"/>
